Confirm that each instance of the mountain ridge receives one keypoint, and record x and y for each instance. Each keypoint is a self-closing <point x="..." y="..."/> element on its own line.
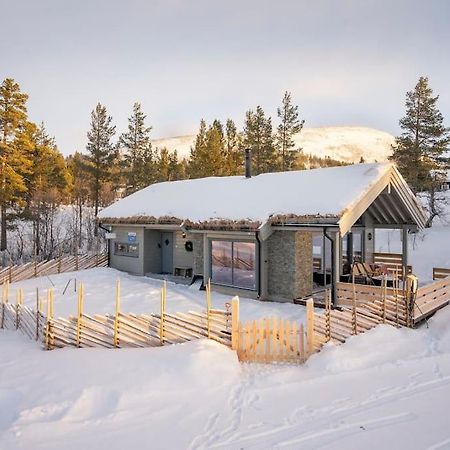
<point x="344" y="143"/>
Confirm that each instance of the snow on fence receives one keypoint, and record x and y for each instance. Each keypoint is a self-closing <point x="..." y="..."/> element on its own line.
<point x="34" y="269"/>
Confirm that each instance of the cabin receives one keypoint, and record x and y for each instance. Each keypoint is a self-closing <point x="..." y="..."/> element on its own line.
<point x="276" y="236"/>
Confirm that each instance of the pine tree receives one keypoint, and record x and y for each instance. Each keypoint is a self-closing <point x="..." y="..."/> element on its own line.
<point x="138" y="156"/>
<point x="47" y="181"/>
<point x="80" y="182"/>
<point x="233" y="153"/>
<point x="419" y="150"/>
<point x="208" y="155"/>
<point x="168" y="168"/>
<point x="288" y="127"/>
<point x="101" y="150"/>
<point x="13" y="160"/>
<point x="259" y="139"/>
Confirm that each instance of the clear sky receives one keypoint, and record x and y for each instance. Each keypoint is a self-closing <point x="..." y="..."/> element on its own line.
<point x="345" y="62"/>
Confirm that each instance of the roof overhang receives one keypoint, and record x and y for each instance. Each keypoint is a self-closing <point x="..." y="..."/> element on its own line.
<point x="389" y="201"/>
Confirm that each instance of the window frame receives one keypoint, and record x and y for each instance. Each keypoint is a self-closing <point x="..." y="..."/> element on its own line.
<point x="126" y="253"/>
<point x="256" y="263"/>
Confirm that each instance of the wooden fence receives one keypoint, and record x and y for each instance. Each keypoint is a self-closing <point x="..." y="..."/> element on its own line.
<point x="440" y="272"/>
<point x="430" y="298"/>
<point x="360" y="308"/>
<point x="51" y="267"/>
<point x="116" y="330"/>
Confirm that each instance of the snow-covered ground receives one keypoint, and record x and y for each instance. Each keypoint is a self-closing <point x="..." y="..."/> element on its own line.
<point x="388" y="388"/>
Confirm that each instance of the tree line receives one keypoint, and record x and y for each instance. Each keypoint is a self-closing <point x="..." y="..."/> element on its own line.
<point x="35" y="178"/>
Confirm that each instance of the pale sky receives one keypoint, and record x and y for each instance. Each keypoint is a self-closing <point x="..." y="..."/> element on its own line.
<point x="345" y="62"/>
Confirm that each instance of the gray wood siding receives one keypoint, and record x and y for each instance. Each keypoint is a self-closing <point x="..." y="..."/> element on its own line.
<point x="182" y="258"/>
<point x="128" y="263"/>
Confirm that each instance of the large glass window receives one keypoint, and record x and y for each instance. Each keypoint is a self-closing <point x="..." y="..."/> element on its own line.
<point x="233" y="263"/>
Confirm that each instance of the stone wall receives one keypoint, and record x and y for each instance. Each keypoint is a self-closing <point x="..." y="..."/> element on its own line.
<point x="197" y="241"/>
<point x="290" y="264"/>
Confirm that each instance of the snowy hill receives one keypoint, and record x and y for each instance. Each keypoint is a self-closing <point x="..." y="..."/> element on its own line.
<point x="343" y="143"/>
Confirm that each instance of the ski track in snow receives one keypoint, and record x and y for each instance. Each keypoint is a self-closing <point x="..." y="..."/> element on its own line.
<point x="328" y="424"/>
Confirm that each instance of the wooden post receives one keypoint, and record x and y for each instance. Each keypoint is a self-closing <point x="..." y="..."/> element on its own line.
<point x="310" y="326"/>
<point x="17" y="308"/>
<point x="354" y="318"/>
<point x="49" y="319"/>
<point x="208" y="307"/>
<point x="163" y="312"/>
<point x="10" y="271"/>
<point x="3" y="306"/>
<point x="80" y="313"/>
<point x="38" y="313"/>
<point x="327" y="315"/>
<point x="35" y="263"/>
<point x="97" y="248"/>
<point x="59" y="260"/>
<point x="383" y="296"/>
<point x="116" y="320"/>
<point x="235" y="322"/>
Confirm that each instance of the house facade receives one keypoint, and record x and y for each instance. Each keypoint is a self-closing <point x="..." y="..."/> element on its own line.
<point x="273" y="236"/>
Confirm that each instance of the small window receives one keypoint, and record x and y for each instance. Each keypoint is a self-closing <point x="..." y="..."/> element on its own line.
<point x="123" y="249"/>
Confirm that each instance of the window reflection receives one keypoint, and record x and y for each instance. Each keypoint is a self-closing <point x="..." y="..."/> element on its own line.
<point x="233" y="263"/>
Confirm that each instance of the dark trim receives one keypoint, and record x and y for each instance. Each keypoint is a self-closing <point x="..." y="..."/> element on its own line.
<point x="108" y="243"/>
<point x="257" y="258"/>
<point x="333" y="268"/>
<point x="258" y="282"/>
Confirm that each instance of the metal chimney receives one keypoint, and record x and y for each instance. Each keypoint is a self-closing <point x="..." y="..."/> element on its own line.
<point x="248" y="163"/>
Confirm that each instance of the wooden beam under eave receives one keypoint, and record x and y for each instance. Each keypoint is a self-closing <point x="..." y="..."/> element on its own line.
<point x="389" y="209"/>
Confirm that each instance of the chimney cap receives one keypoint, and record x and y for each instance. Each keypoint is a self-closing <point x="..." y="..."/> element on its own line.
<point x="248" y="163"/>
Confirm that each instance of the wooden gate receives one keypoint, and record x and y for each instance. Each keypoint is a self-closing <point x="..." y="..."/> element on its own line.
<point x="271" y="340"/>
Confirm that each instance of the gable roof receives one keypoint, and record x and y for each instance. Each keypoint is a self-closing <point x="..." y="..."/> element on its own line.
<point x="338" y="194"/>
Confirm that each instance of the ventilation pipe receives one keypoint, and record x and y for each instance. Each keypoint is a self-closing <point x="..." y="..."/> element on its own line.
<point x="248" y="163"/>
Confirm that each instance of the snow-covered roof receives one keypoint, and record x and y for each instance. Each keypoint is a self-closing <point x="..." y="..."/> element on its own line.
<point x="319" y="193"/>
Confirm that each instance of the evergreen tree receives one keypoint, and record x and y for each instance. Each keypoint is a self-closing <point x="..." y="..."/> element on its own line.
<point x="288" y="127"/>
<point x="168" y="168"/>
<point x="233" y="153"/>
<point x="13" y="159"/>
<point x="197" y="152"/>
<point x="101" y="151"/>
<point x="419" y="150"/>
<point x="138" y="156"/>
<point x="80" y="182"/>
<point x="207" y="157"/>
<point x="47" y="181"/>
<point x="259" y="139"/>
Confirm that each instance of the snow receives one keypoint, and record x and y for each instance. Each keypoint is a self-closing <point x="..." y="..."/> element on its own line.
<point x="388" y="388"/>
<point x="345" y="143"/>
<point x="426" y="249"/>
<point x="255" y="199"/>
<point x="138" y="295"/>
